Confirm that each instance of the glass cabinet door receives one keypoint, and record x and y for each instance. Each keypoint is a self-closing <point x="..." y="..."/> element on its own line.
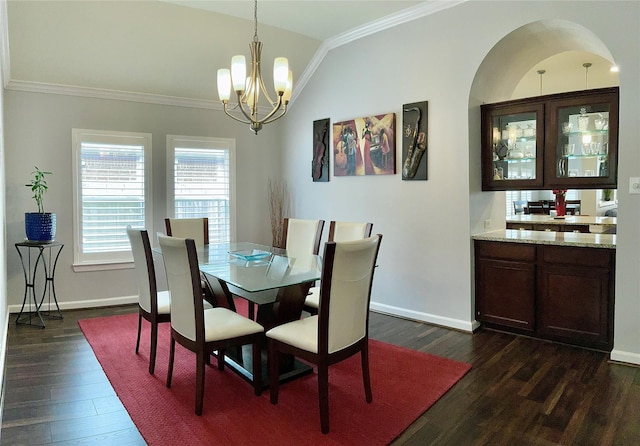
<point x="512" y="147"/>
<point x="583" y="148"/>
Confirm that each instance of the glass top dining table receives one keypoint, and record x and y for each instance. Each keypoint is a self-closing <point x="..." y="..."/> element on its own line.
<point x="254" y="268"/>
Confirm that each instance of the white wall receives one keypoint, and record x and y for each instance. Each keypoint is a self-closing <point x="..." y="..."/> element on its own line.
<point x="38" y="131"/>
<point x="426" y="258"/>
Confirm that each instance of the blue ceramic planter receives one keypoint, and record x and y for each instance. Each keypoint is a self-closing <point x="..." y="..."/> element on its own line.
<point x="40" y="227"/>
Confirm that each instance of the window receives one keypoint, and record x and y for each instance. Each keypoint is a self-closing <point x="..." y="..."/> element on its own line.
<point x="201" y="181"/>
<point x="112" y="178"/>
<point x="514" y="195"/>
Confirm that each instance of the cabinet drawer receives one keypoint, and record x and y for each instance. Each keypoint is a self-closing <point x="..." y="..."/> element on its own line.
<point x="590" y="257"/>
<point x="506" y="251"/>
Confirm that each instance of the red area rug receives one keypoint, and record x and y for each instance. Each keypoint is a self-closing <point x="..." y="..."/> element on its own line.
<point x="405" y="384"/>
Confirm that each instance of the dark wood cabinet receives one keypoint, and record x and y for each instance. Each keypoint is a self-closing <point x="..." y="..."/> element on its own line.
<point x="559" y="293"/>
<point x="505" y="280"/>
<point x="561" y="141"/>
<point x="575" y="295"/>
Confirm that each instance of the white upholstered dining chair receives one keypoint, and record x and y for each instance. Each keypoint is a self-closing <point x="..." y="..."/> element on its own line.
<point x="194" y="228"/>
<point x="198" y="230"/>
<point x="203" y="330"/>
<point x="153" y="305"/>
<point x="302" y="235"/>
<point x="339" y="231"/>
<point x="341" y="327"/>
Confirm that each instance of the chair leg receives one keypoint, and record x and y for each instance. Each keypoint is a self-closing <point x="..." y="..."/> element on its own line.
<point x="323" y="395"/>
<point x="199" y="381"/>
<point x="274" y="377"/>
<point x="366" y="377"/>
<point x="154" y="347"/>
<point x="139" y="328"/>
<point x="221" y="359"/>
<point x="257" y="367"/>
<point x="172" y="350"/>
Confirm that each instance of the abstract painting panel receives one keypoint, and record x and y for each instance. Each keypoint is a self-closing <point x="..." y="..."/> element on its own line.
<point x="414" y="141"/>
<point x="320" y="161"/>
<point x="365" y="146"/>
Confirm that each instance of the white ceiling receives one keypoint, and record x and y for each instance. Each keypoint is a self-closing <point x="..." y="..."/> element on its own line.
<point x="317" y="19"/>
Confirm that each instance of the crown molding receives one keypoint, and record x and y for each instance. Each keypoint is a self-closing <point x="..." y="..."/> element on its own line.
<point x="101" y="93"/>
<point x="390" y="21"/>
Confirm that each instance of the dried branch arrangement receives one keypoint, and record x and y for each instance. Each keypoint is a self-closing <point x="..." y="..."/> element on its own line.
<point x="278" y="209"/>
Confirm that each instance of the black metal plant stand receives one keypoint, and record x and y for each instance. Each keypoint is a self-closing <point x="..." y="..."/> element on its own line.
<point x="46" y="254"/>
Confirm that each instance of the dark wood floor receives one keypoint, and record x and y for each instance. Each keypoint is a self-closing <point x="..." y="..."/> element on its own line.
<point x="520" y="391"/>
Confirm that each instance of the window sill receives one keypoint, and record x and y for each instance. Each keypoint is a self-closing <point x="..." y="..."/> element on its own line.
<point x="86" y="267"/>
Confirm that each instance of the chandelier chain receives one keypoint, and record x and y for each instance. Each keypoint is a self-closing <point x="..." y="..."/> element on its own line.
<point x="255" y="20"/>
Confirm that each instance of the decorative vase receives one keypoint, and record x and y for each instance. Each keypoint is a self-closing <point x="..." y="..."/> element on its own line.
<point x="40" y="227"/>
<point x="561" y="205"/>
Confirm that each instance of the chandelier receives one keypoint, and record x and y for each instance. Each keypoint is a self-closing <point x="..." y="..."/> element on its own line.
<point x="249" y="88"/>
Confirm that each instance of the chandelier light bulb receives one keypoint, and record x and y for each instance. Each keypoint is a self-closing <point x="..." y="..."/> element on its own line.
<point x="280" y="74"/>
<point x="238" y="72"/>
<point x="224" y="84"/>
<point x="287" y="91"/>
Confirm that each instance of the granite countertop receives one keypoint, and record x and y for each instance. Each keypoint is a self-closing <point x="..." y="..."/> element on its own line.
<point x="567" y="220"/>
<point x="577" y="239"/>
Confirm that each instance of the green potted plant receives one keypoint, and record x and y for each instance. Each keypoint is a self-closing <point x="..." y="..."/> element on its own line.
<point x="39" y="226"/>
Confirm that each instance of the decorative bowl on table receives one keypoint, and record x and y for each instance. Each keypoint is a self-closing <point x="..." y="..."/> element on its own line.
<point x="250" y="255"/>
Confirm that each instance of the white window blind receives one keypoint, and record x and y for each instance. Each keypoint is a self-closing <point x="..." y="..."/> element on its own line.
<point x="201" y="182"/>
<point x="111" y="192"/>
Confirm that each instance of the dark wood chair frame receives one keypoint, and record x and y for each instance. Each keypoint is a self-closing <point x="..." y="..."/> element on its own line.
<point x="536" y="207"/>
<point x="323" y="359"/>
<point x="573" y="206"/>
<point x="153" y="317"/>
<point x="203" y="349"/>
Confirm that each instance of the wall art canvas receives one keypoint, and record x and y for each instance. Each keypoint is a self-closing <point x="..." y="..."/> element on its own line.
<point x="414" y="141"/>
<point x="365" y="146"/>
<point x="320" y="161"/>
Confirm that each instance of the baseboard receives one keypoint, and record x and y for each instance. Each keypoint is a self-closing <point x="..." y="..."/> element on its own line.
<point x="107" y="302"/>
<point x="628" y="357"/>
<point x="457" y="324"/>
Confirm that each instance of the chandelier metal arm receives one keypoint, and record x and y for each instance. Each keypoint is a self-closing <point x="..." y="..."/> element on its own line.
<point x="226" y="110"/>
<point x="284" y="112"/>
<point x="252" y="117"/>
